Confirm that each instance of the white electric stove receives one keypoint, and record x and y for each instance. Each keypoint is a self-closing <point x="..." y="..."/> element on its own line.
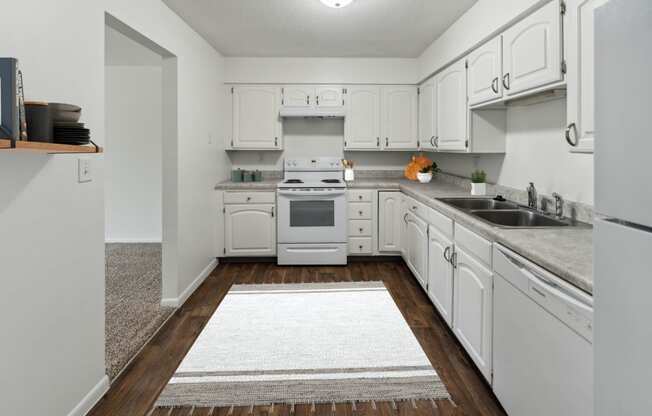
<point x="312" y="218"/>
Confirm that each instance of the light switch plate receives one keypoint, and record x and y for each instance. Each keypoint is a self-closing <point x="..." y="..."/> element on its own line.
<point x="84" y="171"/>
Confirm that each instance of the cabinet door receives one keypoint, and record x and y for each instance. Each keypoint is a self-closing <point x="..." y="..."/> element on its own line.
<point x="532" y="51"/>
<point x="399" y="117"/>
<point x="389" y="221"/>
<point x="485" y="72"/>
<point x="440" y="273"/>
<point x="329" y="97"/>
<point x="427" y="116"/>
<point x="580" y="76"/>
<point x="452" y="108"/>
<point x="362" y="123"/>
<point x="250" y="230"/>
<point x="256" y="122"/>
<point x="417" y="247"/>
<point x="298" y="96"/>
<point x="473" y="303"/>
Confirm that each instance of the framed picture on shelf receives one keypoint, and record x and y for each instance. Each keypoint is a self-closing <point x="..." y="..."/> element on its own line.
<point x="9" y="99"/>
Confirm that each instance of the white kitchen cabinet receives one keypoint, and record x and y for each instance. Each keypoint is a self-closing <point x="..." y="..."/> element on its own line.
<point x="427" y="116"/>
<point x="485" y="72"/>
<point x="399" y="114"/>
<point x="329" y="97"/>
<point x="580" y="107"/>
<point x="362" y="123"/>
<point x="440" y="273"/>
<point x="532" y="51"/>
<point x="403" y="224"/>
<point x="451" y="108"/>
<point x="297" y="96"/>
<point x="417" y="247"/>
<point x="389" y="222"/>
<point x="250" y="230"/>
<point x="472" y="309"/>
<point x="256" y="122"/>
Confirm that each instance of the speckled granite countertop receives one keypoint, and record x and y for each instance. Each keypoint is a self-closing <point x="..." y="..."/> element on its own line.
<point x="566" y="252"/>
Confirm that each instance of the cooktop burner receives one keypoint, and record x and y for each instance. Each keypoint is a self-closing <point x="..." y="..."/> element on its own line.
<point x="293" y="181"/>
<point x="331" y="181"/>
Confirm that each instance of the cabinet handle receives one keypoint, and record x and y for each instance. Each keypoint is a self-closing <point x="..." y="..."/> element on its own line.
<point x="308" y="100"/>
<point x="377" y="141"/>
<point x="437" y="142"/>
<point x="386" y="141"/>
<point x="447" y="254"/>
<point x="360" y="247"/>
<point x="361" y="230"/>
<point x="275" y="141"/>
<point x="494" y="85"/>
<point x="573" y="127"/>
<point x="405" y="218"/>
<point x="432" y="141"/>
<point x="317" y="100"/>
<point x="506" y="81"/>
<point x="360" y="197"/>
<point x="248" y="198"/>
<point x="360" y="212"/>
<point x="454" y="260"/>
<point x="272" y="212"/>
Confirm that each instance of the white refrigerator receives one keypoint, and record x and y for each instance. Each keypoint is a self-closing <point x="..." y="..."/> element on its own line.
<point x="623" y="203"/>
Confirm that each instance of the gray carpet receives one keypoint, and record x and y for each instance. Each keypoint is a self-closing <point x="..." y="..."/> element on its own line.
<point x="133" y="301"/>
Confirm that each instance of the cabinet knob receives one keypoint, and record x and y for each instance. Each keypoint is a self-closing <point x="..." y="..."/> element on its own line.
<point x="361" y="229"/>
<point x="360" y="212"/>
<point x="360" y="248"/>
<point x="360" y="197"/>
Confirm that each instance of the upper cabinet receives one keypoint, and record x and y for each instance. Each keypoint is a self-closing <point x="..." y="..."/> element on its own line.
<point x="256" y="122"/>
<point x="451" y="108"/>
<point x="362" y="123"/>
<point x="485" y="72"/>
<point x="381" y="118"/>
<point x="307" y="96"/>
<point x="427" y="116"/>
<point x="532" y="51"/>
<point x="399" y="117"/>
<point x="580" y="76"/>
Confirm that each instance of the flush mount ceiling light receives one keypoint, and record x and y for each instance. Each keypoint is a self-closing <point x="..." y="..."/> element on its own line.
<point x="336" y="4"/>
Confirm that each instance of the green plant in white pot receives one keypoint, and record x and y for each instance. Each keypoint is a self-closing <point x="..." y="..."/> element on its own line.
<point x="426" y="173"/>
<point x="478" y="182"/>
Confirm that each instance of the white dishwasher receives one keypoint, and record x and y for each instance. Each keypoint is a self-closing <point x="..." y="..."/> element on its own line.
<point x="543" y="334"/>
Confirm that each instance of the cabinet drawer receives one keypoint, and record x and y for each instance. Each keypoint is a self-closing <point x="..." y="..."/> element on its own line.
<point x="359" y="211"/>
<point x="360" y="245"/>
<point x="474" y="244"/>
<point x="441" y="222"/>
<point x="360" y="196"/>
<point x="360" y="228"/>
<point x="249" y="197"/>
<point x="419" y="209"/>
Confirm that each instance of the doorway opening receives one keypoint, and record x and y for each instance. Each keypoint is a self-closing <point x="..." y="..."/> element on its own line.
<point x="140" y="189"/>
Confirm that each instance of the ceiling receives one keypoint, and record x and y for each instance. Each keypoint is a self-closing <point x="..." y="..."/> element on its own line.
<point x="307" y="28"/>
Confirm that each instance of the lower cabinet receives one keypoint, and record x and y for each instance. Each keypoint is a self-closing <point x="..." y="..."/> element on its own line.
<point x="473" y="305"/>
<point x="389" y="221"/>
<point x="250" y="230"/>
<point x="440" y="273"/>
<point x="417" y="247"/>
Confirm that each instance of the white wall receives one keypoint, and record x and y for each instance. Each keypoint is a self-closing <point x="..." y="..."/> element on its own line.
<point x="52" y="228"/>
<point x="133" y="159"/>
<point x="322" y="70"/>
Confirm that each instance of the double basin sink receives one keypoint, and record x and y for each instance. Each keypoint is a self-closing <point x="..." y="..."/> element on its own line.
<point x="506" y="214"/>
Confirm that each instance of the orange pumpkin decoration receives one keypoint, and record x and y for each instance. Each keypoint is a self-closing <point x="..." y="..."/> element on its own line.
<point x="416" y="164"/>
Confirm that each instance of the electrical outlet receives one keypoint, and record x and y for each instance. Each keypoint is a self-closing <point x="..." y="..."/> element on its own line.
<point x="84" y="171"/>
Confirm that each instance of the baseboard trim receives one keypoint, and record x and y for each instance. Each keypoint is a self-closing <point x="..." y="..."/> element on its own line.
<point x="132" y="241"/>
<point x="178" y="302"/>
<point x="91" y="399"/>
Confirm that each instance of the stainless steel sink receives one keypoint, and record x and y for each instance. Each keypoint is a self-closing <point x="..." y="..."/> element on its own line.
<point x="471" y="204"/>
<point x="506" y="214"/>
<point x="521" y="218"/>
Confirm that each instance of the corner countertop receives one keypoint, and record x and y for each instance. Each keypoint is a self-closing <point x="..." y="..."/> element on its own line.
<point x="565" y="252"/>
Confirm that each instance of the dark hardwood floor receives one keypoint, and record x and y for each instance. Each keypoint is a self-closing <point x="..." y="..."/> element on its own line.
<point x="135" y="391"/>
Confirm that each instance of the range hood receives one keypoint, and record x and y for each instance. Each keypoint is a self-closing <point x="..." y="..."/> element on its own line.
<point x="312" y="113"/>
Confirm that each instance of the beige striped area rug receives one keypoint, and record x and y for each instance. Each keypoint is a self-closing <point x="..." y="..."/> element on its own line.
<point x="301" y="344"/>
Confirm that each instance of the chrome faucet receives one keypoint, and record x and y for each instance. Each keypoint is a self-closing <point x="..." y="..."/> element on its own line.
<point x="559" y="205"/>
<point x="532" y="199"/>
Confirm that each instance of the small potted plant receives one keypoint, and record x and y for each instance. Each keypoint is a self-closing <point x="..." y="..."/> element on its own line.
<point x="478" y="182"/>
<point x="426" y="173"/>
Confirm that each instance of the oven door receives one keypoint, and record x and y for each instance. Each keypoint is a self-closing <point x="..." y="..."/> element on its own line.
<point x="306" y="216"/>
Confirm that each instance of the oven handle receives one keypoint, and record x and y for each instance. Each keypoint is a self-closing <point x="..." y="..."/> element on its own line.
<point x="311" y="194"/>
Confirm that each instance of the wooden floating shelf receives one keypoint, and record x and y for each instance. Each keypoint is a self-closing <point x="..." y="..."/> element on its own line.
<point x="47" y="148"/>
